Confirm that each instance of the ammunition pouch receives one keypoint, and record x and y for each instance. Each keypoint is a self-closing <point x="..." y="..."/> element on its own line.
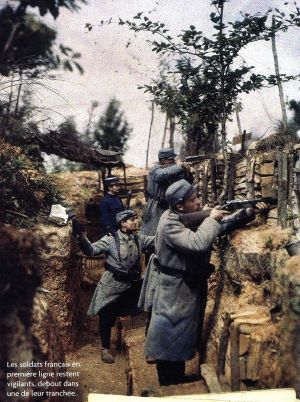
<point x="131" y="276"/>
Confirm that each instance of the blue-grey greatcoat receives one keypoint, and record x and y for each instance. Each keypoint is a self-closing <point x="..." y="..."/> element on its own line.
<point x="179" y="303"/>
<point x="149" y="285"/>
<point x="109" y="288"/>
<point x="159" y="179"/>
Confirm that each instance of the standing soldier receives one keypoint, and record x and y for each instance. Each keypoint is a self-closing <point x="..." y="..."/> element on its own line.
<point x="181" y="293"/>
<point x="110" y="205"/>
<point x="183" y="263"/>
<point x="160" y="177"/>
<point x="118" y="289"/>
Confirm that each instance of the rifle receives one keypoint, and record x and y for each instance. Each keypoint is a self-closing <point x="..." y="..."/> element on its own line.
<point x="233" y="205"/>
<point x="128" y="198"/>
<point x="196" y="158"/>
<point x="236" y="219"/>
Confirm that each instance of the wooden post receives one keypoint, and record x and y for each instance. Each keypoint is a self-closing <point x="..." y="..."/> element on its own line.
<point x="282" y="188"/>
<point x="125" y="181"/>
<point x="223" y="344"/>
<point x="204" y="185"/>
<point x="149" y="135"/>
<point x="145" y="184"/>
<point x="250" y="176"/>
<point x="243" y="147"/>
<point x="231" y="177"/>
<point x="214" y="194"/>
<point x="234" y="357"/>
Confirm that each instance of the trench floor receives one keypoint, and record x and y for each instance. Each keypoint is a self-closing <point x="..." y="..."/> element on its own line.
<point x="96" y="376"/>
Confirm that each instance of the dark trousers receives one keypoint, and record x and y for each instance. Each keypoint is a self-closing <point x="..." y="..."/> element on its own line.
<point x="170" y="372"/>
<point x="124" y="305"/>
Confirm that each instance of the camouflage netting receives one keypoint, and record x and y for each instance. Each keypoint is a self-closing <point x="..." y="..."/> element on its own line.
<point x="27" y="327"/>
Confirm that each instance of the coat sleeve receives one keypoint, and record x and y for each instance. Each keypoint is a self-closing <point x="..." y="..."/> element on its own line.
<point x="105" y="217"/>
<point x="186" y="241"/>
<point x="167" y="173"/>
<point x="147" y="242"/>
<point x="90" y="249"/>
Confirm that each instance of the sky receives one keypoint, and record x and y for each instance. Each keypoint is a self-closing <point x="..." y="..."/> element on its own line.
<point x="115" y="62"/>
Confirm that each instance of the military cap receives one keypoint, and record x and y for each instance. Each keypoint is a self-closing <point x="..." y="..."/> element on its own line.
<point x="121" y="216"/>
<point x="179" y="192"/>
<point x="110" y="181"/>
<point x="166" y="153"/>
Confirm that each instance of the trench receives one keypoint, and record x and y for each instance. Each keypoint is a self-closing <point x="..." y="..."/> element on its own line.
<point x="257" y="355"/>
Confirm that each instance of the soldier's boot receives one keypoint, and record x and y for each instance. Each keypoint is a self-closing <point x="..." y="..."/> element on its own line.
<point x="106" y="356"/>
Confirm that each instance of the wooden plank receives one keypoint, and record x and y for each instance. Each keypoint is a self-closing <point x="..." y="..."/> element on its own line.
<point x="253" y="361"/>
<point x="210" y="377"/>
<point x="266" y="395"/>
<point x="268" y="180"/>
<point x="234" y="357"/>
<point x="267" y="169"/>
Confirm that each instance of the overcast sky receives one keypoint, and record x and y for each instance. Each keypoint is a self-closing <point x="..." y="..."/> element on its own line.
<point x="115" y="69"/>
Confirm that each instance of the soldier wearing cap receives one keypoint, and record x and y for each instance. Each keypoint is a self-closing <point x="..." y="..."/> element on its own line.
<point x="118" y="289"/>
<point x="181" y="293"/>
<point x="159" y="179"/>
<point x="110" y="205"/>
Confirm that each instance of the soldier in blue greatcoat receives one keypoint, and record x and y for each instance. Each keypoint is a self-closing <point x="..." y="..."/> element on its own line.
<point x="110" y="205"/>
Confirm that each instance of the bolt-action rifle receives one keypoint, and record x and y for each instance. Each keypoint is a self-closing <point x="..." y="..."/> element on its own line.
<point x="242" y="212"/>
<point x="233" y="205"/>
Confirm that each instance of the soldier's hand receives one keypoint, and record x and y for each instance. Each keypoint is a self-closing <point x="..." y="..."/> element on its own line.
<point x="218" y="214"/>
<point x="77" y="228"/>
<point x="261" y="208"/>
<point x="185" y="165"/>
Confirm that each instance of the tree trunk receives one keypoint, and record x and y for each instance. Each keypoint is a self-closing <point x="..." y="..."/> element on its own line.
<point x="172" y="131"/>
<point x="277" y="73"/>
<point x="149" y="135"/>
<point x="165" y="131"/>
<point x="224" y="113"/>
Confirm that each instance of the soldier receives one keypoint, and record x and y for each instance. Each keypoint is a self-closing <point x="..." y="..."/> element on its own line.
<point x="180" y="296"/>
<point x="118" y="289"/>
<point x="159" y="179"/>
<point x="110" y="205"/>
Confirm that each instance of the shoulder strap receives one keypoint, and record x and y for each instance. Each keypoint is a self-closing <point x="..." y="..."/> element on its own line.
<point x="117" y="243"/>
<point x="138" y="245"/>
<point x="118" y="246"/>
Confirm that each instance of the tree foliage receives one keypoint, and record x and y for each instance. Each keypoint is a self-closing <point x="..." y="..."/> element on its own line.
<point x="210" y="73"/>
<point x="26" y="43"/>
<point x="112" y="129"/>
